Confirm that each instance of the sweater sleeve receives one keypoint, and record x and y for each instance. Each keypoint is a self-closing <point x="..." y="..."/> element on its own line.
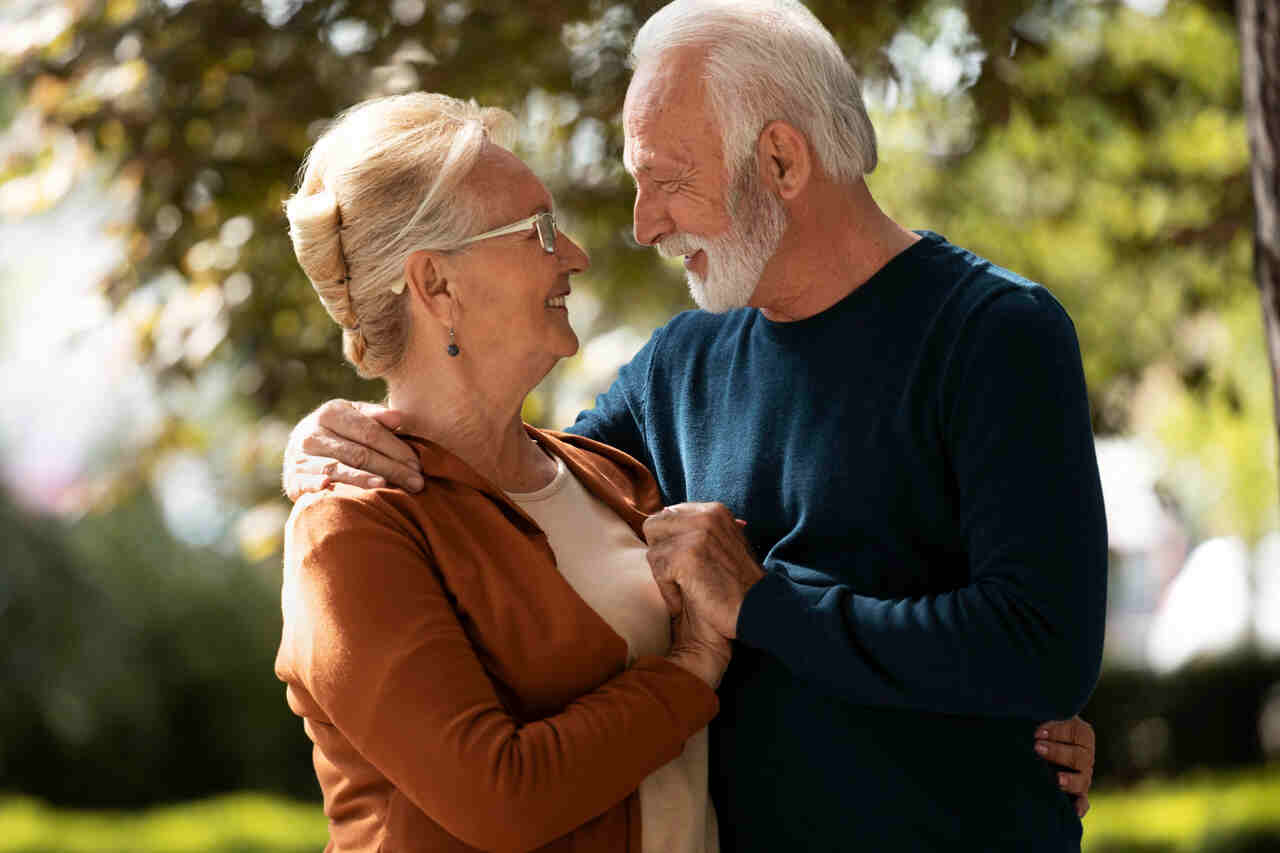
<point x="1023" y="637"/>
<point x="618" y="416"/>
<point x="383" y="653"/>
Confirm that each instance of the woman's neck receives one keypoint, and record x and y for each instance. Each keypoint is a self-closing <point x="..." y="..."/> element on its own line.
<point x="480" y="426"/>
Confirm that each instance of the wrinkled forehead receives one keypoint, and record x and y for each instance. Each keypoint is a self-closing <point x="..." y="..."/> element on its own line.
<point x="666" y="115"/>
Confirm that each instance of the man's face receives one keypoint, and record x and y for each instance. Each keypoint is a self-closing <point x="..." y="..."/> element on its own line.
<point x="727" y="227"/>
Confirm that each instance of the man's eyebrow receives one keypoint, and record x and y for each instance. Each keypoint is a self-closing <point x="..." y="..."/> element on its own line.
<point x="671" y="164"/>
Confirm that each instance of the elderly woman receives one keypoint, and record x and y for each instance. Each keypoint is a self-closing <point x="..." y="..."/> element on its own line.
<point x="487" y="663"/>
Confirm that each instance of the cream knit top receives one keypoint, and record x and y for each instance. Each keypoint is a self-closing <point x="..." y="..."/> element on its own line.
<point x="604" y="561"/>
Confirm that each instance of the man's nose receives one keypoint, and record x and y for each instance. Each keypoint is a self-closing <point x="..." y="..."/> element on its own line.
<point x="651" y="220"/>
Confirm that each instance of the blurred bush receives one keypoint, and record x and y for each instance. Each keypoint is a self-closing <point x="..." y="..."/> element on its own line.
<point x="1207" y="715"/>
<point x="1205" y="813"/>
<point x="241" y="823"/>
<point x="138" y="670"/>
<point x="1213" y="813"/>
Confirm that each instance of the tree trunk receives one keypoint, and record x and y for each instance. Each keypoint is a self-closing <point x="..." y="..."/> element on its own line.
<point x="1260" y="58"/>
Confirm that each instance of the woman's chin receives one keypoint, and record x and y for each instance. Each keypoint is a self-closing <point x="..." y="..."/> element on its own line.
<point x="570" y="345"/>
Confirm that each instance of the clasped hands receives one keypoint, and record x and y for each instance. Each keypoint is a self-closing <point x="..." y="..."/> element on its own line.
<point x="703" y="566"/>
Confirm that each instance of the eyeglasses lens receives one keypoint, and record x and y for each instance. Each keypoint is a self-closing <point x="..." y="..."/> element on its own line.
<point x="546" y="224"/>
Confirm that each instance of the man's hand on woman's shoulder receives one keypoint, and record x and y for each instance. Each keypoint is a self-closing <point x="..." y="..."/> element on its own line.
<point x="346" y="442"/>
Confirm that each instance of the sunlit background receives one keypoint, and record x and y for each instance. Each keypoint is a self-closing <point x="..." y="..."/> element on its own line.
<point x="157" y="342"/>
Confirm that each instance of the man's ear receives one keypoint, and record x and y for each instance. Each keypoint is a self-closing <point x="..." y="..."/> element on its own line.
<point x="785" y="161"/>
<point x="426" y="275"/>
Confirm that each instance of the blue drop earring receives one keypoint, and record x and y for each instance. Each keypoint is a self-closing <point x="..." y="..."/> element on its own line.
<point x="452" y="349"/>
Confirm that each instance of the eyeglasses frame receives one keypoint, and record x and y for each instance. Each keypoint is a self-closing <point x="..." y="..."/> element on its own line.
<point x="544" y="223"/>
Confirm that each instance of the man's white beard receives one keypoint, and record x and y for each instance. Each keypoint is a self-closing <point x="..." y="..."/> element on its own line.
<point x="737" y="257"/>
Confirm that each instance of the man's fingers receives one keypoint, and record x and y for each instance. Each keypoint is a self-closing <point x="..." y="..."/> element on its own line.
<point x="1065" y="754"/>
<point x="391" y="447"/>
<point x="1082" y="805"/>
<point x="347" y="421"/>
<point x="681" y="518"/>
<point x="659" y="557"/>
<point x="299" y="483"/>
<point x="337" y="472"/>
<point x="389" y="418"/>
<point x="329" y="447"/>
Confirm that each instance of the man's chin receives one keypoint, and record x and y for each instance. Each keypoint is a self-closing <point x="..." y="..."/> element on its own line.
<point x="715" y="300"/>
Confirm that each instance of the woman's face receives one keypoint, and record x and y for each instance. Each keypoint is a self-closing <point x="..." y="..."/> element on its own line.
<point x="511" y="290"/>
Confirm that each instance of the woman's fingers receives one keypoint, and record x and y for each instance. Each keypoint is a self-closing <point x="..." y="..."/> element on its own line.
<point x="1065" y="754"/>
<point x="1070" y="744"/>
<point x="1074" y="730"/>
<point x="1074" y="783"/>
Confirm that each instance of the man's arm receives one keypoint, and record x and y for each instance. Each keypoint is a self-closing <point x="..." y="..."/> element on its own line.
<point x="354" y="443"/>
<point x="1023" y="638"/>
<point x="618" y="418"/>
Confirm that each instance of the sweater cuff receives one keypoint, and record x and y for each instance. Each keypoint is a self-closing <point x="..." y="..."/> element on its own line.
<point x="772" y="616"/>
<point x="688" y="697"/>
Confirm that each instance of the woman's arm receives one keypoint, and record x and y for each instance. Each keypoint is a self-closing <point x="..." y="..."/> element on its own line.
<point x="375" y="640"/>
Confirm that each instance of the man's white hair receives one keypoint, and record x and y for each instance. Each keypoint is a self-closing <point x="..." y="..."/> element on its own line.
<point x="769" y="60"/>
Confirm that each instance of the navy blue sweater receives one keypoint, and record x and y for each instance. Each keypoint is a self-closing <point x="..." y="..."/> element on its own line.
<point x="917" y="472"/>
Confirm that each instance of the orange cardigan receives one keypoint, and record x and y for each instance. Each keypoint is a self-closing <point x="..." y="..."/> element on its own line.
<point x="458" y="692"/>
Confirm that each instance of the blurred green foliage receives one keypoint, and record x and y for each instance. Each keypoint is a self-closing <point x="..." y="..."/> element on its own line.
<point x="1203" y="814"/>
<point x="137" y="669"/>
<point x="236" y="823"/>
<point x="1100" y="151"/>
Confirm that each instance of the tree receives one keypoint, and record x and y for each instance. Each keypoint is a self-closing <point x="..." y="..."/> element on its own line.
<point x="1099" y="150"/>
<point x="1260" y="57"/>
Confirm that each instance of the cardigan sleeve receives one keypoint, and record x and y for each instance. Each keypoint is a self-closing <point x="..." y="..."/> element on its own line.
<point x="380" y="648"/>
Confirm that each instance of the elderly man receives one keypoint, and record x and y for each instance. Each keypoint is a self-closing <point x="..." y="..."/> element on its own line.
<point x="902" y="425"/>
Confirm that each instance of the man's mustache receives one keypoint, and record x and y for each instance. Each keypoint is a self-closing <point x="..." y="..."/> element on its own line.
<point x="678" y="245"/>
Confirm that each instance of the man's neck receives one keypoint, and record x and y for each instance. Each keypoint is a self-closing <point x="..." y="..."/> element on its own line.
<point x="838" y="239"/>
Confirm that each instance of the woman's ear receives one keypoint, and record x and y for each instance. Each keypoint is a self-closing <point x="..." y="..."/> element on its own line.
<point x="427" y="276"/>
<point x="784" y="159"/>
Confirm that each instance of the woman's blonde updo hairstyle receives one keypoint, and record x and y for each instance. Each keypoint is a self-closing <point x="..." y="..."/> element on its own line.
<point x="384" y="180"/>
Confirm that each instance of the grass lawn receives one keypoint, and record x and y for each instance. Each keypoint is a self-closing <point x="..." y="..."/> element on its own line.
<point x="1221" y="812"/>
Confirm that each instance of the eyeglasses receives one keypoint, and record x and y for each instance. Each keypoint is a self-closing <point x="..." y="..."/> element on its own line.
<point x="545" y="223"/>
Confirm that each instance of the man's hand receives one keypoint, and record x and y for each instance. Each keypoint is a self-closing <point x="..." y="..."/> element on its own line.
<point x="700" y="558"/>
<point x="345" y="442"/>
<point x="1070" y="743"/>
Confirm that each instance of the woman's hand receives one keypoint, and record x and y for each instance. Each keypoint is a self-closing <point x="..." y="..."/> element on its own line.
<point x="1070" y="744"/>
<point x="345" y="442"/>
<point x="695" y="645"/>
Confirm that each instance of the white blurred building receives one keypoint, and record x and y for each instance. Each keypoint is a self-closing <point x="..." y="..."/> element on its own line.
<point x="1169" y="604"/>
